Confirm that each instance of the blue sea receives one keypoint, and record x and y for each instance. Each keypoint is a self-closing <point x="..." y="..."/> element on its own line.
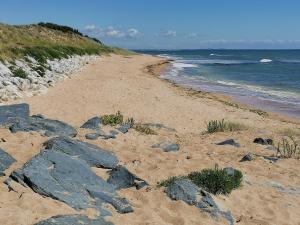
<point x="265" y="79"/>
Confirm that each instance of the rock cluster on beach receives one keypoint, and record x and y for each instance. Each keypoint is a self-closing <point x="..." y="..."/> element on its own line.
<point x="13" y="86"/>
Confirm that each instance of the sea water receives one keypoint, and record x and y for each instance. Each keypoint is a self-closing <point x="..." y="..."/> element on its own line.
<point x="266" y="79"/>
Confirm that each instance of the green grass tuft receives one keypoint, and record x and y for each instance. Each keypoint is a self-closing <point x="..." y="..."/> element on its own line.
<point x="214" y="126"/>
<point x="144" y="129"/>
<point x="18" y="72"/>
<point x="112" y="119"/>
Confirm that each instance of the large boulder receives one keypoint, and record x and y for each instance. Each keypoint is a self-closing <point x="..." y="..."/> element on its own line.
<point x="41" y="124"/>
<point x="93" y="123"/>
<point x="185" y="190"/>
<point x="91" y="154"/>
<point x="121" y="178"/>
<point x="73" y="220"/>
<point x="67" y="178"/>
<point x="5" y="161"/>
<point x="13" y="113"/>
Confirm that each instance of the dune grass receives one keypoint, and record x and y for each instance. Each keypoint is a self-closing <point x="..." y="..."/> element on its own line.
<point x="288" y="148"/>
<point x="214" y="126"/>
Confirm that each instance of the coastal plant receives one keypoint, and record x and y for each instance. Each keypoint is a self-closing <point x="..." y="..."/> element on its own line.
<point x="18" y="72"/>
<point x="288" y="148"/>
<point x="214" y="126"/>
<point x="217" y="181"/>
<point x="144" y="129"/>
<point x="130" y="122"/>
<point x="112" y="119"/>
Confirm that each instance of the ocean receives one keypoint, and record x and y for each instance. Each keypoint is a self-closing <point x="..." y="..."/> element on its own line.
<point x="265" y="79"/>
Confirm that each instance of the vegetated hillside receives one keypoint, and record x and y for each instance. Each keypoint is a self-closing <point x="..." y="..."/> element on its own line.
<point x="47" y="41"/>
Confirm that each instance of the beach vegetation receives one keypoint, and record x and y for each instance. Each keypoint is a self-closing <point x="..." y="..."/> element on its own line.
<point x="112" y="119"/>
<point x="288" y="148"/>
<point x="215" y="181"/>
<point x="144" y="129"/>
<point x="18" y="72"/>
<point x="214" y="126"/>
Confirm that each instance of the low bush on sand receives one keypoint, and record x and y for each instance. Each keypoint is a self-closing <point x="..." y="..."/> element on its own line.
<point x="222" y="126"/>
<point x="112" y="119"/>
<point x="216" y="181"/>
<point x="144" y="129"/>
<point x="288" y="148"/>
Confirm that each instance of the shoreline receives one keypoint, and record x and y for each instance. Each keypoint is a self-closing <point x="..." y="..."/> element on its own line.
<point x="120" y="83"/>
<point x="158" y="68"/>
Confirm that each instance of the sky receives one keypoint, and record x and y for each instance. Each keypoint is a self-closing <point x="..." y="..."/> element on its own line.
<point x="169" y="24"/>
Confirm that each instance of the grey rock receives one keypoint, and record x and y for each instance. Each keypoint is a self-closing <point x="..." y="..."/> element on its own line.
<point x="263" y="141"/>
<point x="291" y="190"/>
<point x="271" y="158"/>
<point x="69" y="179"/>
<point x="185" y="190"/>
<point x="91" y="154"/>
<point x="123" y="128"/>
<point x="13" y="113"/>
<point x="229" y="142"/>
<point x="247" y="157"/>
<point x="92" y="136"/>
<point x="46" y="126"/>
<point x="5" y="161"/>
<point x="93" y="123"/>
<point x="167" y="146"/>
<point x="121" y="178"/>
<point x="73" y="220"/>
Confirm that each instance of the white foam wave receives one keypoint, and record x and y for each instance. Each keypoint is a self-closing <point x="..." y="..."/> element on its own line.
<point x="216" y="61"/>
<point x="266" y="60"/>
<point x="183" y="65"/>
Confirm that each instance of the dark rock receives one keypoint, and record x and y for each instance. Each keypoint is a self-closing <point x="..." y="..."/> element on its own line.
<point x="93" y="123"/>
<point x="167" y="146"/>
<point x="121" y="178"/>
<point x="5" y="161"/>
<point x="246" y="157"/>
<point x="263" y="141"/>
<point x="160" y="126"/>
<point x="123" y="128"/>
<point x="229" y="142"/>
<point x="41" y="124"/>
<point x="73" y="220"/>
<point x="91" y="154"/>
<point x="187" y="191"/>
<point x="13" y="113"/>
<point x="92" y="136"/>
<point x="270" y="158"/>
<point x="69" y="179"/>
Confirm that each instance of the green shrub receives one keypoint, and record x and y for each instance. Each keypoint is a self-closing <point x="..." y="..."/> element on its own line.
<point x="112" y="119"/>
<point x="19" y="72"/>
<point x="222" y="126"/>
<point x="40" y="70"/>
<point x="216" y="181"/>
<point x="144" y="128"/>
<point x="288" y="148"/>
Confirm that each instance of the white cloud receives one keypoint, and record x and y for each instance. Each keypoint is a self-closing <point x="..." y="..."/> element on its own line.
<point x="169" y="33"/>
<point x="114" y="32"/>
<point x="134" y="33"/>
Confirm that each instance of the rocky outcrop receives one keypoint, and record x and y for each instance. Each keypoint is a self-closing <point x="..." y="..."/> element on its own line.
<point x="92" y="124"/>
<point x="121" y="178"/>
<point x="10" y="114"/>
<point x="5" y="161"/>
<point x="35" y="82"/>
<point x="67" y="177"/>
<point x="185" y="190"/>
<point x="91" y="154"/>
<point x="73" y="220"/>
<point x="46" y="126"/>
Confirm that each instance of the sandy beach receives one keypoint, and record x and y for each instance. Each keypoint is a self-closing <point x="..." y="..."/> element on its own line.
<point x="270" y="192"/>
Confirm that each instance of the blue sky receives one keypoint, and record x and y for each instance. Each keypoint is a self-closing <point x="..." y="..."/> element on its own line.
<point x="169" y="24"/>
